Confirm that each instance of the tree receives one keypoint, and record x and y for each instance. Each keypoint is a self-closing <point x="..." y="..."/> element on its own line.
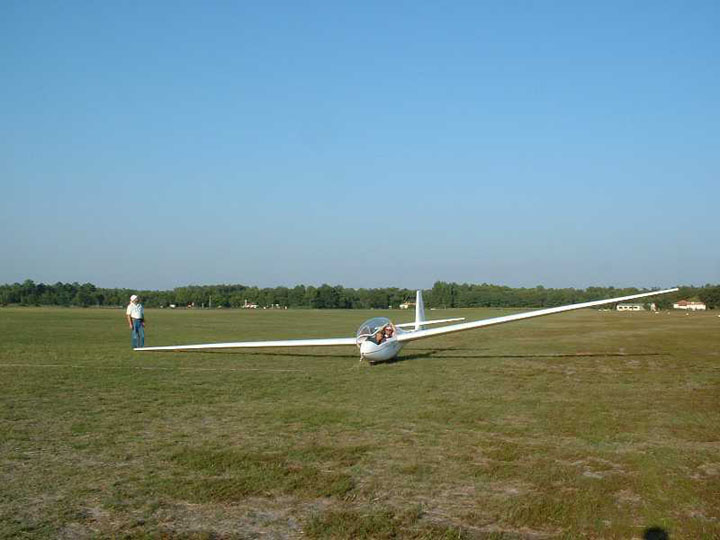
<point x="84" y="296"/>
<point x="710" y="295"/>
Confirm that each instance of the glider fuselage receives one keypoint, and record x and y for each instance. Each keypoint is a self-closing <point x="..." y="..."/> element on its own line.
<point x="382" y="352"/>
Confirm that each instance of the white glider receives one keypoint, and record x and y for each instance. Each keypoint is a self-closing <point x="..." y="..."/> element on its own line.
<point x="379" y="339"/>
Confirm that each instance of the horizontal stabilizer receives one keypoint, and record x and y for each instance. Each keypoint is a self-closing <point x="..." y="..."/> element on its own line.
<point x="438" y="321"/>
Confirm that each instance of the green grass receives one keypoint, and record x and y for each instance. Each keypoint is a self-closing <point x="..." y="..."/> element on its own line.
<point x="588" y="424"/>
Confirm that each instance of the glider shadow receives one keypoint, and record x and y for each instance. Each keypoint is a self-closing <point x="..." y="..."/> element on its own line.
<point x="419" y="354"/>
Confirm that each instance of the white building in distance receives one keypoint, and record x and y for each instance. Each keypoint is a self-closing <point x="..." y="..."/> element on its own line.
<point x="689" y="306"/>
<point x="630" y="307"/>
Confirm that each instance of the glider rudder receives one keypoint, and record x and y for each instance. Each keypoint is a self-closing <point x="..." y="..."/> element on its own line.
<point x="419" y="311"/>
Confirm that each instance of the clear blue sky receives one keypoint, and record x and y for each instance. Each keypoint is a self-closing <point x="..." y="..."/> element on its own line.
<point x="157" y="144"/>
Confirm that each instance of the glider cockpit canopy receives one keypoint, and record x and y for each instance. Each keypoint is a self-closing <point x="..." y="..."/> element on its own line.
<point x="369" y="328"/>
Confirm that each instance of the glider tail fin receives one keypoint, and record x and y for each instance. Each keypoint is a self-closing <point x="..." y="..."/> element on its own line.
<point x="419" y="311"/>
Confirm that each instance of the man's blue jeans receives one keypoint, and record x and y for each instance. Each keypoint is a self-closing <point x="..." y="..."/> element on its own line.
<point x="138" y="333"/>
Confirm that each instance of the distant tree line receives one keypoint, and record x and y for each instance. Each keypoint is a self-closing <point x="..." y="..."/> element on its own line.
<point x="442" y="294"/>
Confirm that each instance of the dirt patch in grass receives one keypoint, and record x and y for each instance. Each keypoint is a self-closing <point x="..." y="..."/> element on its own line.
<point x="360" y="523"/>
<point x="225" y="475"/>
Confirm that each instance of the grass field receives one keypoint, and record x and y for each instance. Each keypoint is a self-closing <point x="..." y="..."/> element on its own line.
<point x="581" y="425"/>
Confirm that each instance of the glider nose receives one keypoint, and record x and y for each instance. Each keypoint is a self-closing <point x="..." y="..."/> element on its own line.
<point x="367" y="348"/>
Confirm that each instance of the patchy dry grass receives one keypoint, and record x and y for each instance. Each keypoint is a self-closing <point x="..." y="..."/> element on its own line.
<point x="589" y="424"/>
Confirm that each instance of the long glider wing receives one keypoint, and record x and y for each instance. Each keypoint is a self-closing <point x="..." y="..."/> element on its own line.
<point x="420" y="334"/>
<point x="257" y="344"/>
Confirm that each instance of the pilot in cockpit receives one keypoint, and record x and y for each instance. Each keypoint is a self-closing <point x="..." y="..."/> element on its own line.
<point x="389" y="331"/>
<point x="376" y="330"/>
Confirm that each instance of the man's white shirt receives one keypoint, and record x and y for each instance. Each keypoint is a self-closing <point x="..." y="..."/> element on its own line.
<point x="135" y="311"/>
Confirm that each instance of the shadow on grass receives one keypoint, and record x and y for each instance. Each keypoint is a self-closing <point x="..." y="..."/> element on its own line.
<point x="420" y="354"/>
<point x="655" y="533"/>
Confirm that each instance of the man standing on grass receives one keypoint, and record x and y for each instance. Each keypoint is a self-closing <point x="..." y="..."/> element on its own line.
<point x="135" y="315"/>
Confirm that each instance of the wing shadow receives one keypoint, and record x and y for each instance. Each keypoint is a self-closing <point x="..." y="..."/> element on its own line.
<point x="419" y="354"/>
